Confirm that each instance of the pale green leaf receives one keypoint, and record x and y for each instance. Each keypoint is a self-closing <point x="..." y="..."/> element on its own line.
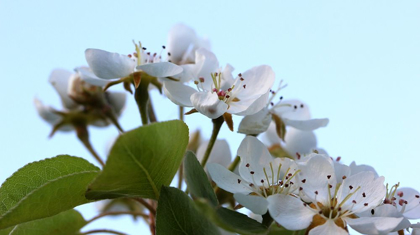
<point x="45" y="188"/>
<point x="141" y="161"/>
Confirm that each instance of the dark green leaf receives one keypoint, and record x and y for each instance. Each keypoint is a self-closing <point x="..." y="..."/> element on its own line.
<point x="230" y="220"/>
<point x="45" y="188"/>
<point x="176" y="214"/>
<point x="141" y="161"/>
<point x="276" y="230"/>
<point x="197" y="180"/>
<point x="66" y="223"/>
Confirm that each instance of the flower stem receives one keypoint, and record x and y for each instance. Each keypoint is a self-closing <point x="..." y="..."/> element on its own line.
<point x="103" y="231"/>
<point x="117" y="213"/>
<point x="235" y="163"/>
<point x="141" y="95"/>
<point x="181" y="113"/>
<point x="217" y="124"/>
<point x="83" y="135"/>
<point x="151" y="111"/>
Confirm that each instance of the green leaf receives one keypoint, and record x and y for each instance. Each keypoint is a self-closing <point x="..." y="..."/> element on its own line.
<point x="66" y="223"/>
<point x="276" y="230"/>
<point x="45" y="188"/>
<point x="197" y="180"/>
<point x="176" y="214"/>
<point x="230" y="220"/>
<point x="141" y="161"/>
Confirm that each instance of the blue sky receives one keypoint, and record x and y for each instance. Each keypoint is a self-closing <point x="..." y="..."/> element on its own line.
<point x="355" y="62"/>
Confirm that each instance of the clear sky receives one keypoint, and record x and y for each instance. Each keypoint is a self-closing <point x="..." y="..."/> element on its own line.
<point x="355" y="62"/>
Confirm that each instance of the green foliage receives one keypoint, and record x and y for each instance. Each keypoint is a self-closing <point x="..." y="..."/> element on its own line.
<point x="197" y="180"/>
<point x="176" y="214"/>
<point x="66" y="223"/>
<point x="45" y="188"/>
<point x="276" y="230"/>
<point x="141" y="161"/>
<point x="230" y="220"/>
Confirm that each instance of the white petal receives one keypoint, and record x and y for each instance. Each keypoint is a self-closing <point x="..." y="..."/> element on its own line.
<point x="253" y="152"/>
<point x="328" y="228"/>
<point x="109" y="65"/>
<point x="297" y="141"/>
<point x="178" y="93"/>
<point x="256" y="123"/>
<point x="341" y="171"/>
<point x="354" y="168"/>
<point x="293" y="109"/>
<point x="47" y="113"/>
<point x="371" y="192"/>
<point x="249" y="107"/>
<point x="88" y="76"/>
<point x="208" y="104"/>
<point x="258" y="81"/>
<point x="59" y="79"/>
<point x="117" y="101"/>
<point x="256" y="204"/>
<point x="412" y="208"/>
<point x="319" y="173"/>
<point x="161" y="69"/>
<point x="205" y="63"/>
<point x="306" y="125"/>
<point x="180" y="38"/>
<point x="289" y="211"/>
<point x="227" y="180"/>
<point x="374" y="225"/>
<point x="220" y="153"/>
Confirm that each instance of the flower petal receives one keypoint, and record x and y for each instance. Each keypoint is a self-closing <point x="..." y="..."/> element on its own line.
<point x="306" y="125"/>
<point x="258" y="81"/>
<point x="227" y="180"/>
<point x="208" y="104"/>
<point x="47" y="113"/>
<point x="374" y="225"/>
<point x="161" y="69"/>
<point x="328" y="228"/>
<point x="178" y="93"/>
<point x="256" y="204"/>
<point x="59" y="79"/>
<point x="117" y="101"/>
<point x="412" y="208"/>
<point x="205" y="63"/>
<point x="180" y="39"/>
<point x="256" y="123"/>
<point x="88" y="76"/>
<point x="289" y="211"/>
<point x="109" y="65"/>
<point x="220" y="153"/>
<point x="254" y="158"/>
<point x="297" y="141"/>
<point x="292" y="109"/>
<point x="249" y="107"/>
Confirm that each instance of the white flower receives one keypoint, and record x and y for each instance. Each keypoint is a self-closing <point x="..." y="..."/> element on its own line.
<point x="217" y="92"/>
<point x="220" y="153"/>
<point x="329" y="206"/>
<point x="261" y="176"/>
<point x="182" y="44"/>
<point x="107" y="66"/>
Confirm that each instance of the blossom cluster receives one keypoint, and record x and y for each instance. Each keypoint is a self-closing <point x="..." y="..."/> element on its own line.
<point x="282" y="174"/>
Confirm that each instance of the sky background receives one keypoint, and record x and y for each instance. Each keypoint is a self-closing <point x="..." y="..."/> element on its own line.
<point x="355" y="62"/>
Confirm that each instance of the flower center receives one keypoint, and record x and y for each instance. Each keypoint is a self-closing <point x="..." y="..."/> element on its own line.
<point x="141" y="56"/>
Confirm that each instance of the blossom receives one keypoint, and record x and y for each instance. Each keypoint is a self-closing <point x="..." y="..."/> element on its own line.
<point x="260" y="176"/>
<point x="220" y="153"/>
<point x="217" y="92"/>
<point x="107" y="66"/>
<point x="182" y="44"/>
<point x="330" y="206"/>
<point x="79" y="98"/>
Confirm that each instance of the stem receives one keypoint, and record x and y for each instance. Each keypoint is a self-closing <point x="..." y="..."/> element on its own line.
<point x="181" y="113"/>
<point x="267" y="220"/>
<point x="151" y="111"/>
<point x="147" y="205"/>
<point x="142" y="97"/>
<point x="103" y="231"/>
<point x="217" y="124"/>
<point x="117" y="213"/>
<point x="180" y="175"/>
<point x="83" y="136"/>
<point x="234" y="163"/>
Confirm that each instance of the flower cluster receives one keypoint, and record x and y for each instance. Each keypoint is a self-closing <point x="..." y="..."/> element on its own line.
<point x="279" y="171"/>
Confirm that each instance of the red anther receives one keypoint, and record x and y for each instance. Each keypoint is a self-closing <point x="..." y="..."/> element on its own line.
<point x="247" y="165"/>
<point x="214" y="90"/>
<point x="252" y="172"/>
<point x="300" y="189"/>
<point x="366" y="204"/>
<point x="338" y="159"/>
<point x="244" y="86"/>
<point x="227" y="96"/>
<point x="354" y="201"/>
<point x="303" y="181"/>
<point x="344" y="177"/>
<point x="262" y="181"/>
<point x="286" y="185"/>
<point x="316" y="192"/>
<point x="201" y="79"/>
<point x="239" y="181"/>
<point x="350" y="187"/>
<point x="251" y="184"/>
<point x="297" y="155"/>
<point x="364" y="194"/>
<point x="242" y="79"/>
<point x="290" y="174"/>
<point x="328" y="176"/>
<point x="163" y="47"/>
<point x="144" y="48"/>
<point x="330" y="185"/>
<point x="129" y="55"/>
<point x="400" y="194"/>
<point x="229" y="89"/>
<point x="417" y="196"/>
<point x="169" y="54"/>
